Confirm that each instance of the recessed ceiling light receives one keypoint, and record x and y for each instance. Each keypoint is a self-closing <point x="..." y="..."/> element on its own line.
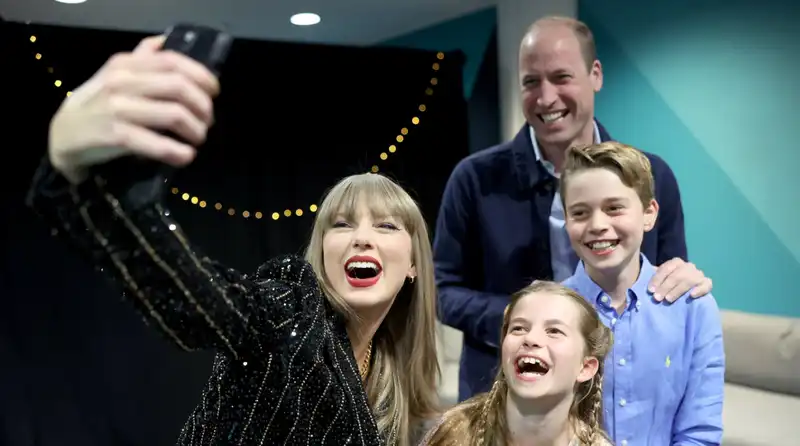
<point x="305" y="19"/>
<point x="71" y="2"/>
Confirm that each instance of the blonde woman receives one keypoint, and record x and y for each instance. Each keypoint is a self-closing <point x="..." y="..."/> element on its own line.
<point x="337" y="348"/>
<point x="549" y="388"/>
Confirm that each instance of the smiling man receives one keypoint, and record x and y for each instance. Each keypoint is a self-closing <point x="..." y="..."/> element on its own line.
<point x="501" y="221"/>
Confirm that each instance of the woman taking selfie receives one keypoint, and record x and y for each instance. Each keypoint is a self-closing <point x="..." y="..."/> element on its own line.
<point x="337" y="348"/>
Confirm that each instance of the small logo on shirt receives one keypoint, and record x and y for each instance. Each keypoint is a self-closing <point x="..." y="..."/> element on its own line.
<point x="667" y="362"/>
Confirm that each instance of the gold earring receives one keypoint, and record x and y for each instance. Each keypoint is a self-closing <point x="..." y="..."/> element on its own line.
<point x="412" y="279"/>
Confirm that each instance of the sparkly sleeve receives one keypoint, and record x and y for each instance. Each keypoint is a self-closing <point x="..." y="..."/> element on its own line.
<point x="195" y="302"/>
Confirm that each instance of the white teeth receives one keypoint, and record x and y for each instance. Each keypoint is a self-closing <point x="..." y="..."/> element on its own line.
<point x="352" y="265"/>
<point x="602" y="245"/>
<point x="529" y="360"/>
<point x="552" y="117"/>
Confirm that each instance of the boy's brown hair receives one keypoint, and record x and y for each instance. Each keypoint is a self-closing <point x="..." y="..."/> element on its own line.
<point x="628" y="163"/>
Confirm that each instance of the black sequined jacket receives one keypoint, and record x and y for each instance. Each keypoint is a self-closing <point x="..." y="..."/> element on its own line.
<point x="284" y="372"/>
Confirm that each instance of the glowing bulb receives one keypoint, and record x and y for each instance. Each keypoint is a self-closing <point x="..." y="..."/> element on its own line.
<point x="305" y="19"/>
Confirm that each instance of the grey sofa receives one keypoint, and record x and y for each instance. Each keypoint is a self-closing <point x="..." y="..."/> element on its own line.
<point x="762" y="374"/>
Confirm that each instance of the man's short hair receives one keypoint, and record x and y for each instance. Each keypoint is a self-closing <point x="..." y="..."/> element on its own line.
<point x="582" y="33"/>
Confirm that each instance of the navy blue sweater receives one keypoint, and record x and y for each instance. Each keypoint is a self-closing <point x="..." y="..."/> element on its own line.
<point x="492" y="239"/>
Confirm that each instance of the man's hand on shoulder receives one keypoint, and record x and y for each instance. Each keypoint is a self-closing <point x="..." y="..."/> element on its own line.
<point x="675" y="277"/>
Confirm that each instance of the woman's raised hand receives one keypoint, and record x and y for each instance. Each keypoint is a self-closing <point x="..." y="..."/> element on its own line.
<point x="127" y="105"/>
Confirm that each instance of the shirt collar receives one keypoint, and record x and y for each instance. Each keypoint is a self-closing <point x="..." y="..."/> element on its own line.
<point x="637" y="294"/>
<point x="538" y="151"/>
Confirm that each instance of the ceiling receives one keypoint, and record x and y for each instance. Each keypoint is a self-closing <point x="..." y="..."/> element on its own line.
<point x="349" y="22"/>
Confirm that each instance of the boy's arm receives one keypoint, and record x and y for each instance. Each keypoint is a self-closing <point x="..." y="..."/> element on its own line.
<point x="699" y="418"/>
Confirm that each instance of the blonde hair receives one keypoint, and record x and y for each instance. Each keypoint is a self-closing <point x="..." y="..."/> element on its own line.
<point x="581" y="30"/>
<point x="629" y="164"/>
<point x="481" y="420"/>
<point x="401" y="385"/>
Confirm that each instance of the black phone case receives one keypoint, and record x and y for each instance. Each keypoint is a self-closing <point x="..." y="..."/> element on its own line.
<point x="142" y="180"/>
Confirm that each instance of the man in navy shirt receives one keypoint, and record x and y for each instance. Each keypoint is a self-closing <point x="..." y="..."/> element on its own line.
<point x="501" y="222"/>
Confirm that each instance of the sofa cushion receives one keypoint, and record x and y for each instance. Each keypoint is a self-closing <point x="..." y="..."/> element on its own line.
<point x="762" y="351"/>
<point x="754" y="417"/>
<point x="449" y="343"/>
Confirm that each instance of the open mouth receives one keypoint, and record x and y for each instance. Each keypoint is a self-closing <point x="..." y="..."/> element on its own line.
<point x="549" y="118"/>
<point x="362" y="271"/>
<point x="603" y="247"/>
<point x="531" y="367"/>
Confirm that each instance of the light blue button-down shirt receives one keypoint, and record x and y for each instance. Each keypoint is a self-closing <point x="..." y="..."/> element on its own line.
<point x="665" y="375"/>
<point x="562" y="257"/>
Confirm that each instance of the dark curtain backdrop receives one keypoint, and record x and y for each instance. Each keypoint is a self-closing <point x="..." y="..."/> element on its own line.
<point x="78" y="367"/>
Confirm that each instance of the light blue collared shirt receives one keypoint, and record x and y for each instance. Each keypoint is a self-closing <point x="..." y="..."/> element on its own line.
<point x="562" y="256"/>
<point x="665" y="375"/>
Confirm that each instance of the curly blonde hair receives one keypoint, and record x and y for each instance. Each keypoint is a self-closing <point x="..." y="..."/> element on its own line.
<point x="481" y="420"/>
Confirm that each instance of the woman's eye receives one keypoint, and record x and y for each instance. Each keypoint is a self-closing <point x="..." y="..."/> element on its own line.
<point x="388" y="226"/>
<point x="340" y="224"/>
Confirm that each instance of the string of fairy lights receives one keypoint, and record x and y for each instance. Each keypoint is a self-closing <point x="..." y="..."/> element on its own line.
<point x="189" y="197"/>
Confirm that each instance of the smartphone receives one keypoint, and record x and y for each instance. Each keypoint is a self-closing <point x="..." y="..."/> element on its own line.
<point x="139" y="179"/>
<point x="206" y="45"/>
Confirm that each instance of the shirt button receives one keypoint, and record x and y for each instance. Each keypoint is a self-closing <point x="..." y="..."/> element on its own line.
<point x="624" y="443"/>
<point x="614" y="321"/>
<point x="622" y="402"/>
<point x="622" y="361"/>
<point x="604" y="299"/>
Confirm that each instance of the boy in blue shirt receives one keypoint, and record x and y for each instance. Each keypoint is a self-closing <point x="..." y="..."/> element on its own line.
<point x="664" y="377"/>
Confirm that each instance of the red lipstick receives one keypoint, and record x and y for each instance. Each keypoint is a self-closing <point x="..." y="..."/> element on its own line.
<point x="362" y="271"/>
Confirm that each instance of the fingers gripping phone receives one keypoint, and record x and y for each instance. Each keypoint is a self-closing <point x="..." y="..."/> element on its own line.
<point x="143" y="179"/>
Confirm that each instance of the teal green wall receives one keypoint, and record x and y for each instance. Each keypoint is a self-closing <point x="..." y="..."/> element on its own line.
<point x="712" y="89"/>
<point x="470" y="33"/>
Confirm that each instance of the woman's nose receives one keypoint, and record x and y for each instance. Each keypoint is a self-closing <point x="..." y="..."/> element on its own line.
<point x="360" y="242"/>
